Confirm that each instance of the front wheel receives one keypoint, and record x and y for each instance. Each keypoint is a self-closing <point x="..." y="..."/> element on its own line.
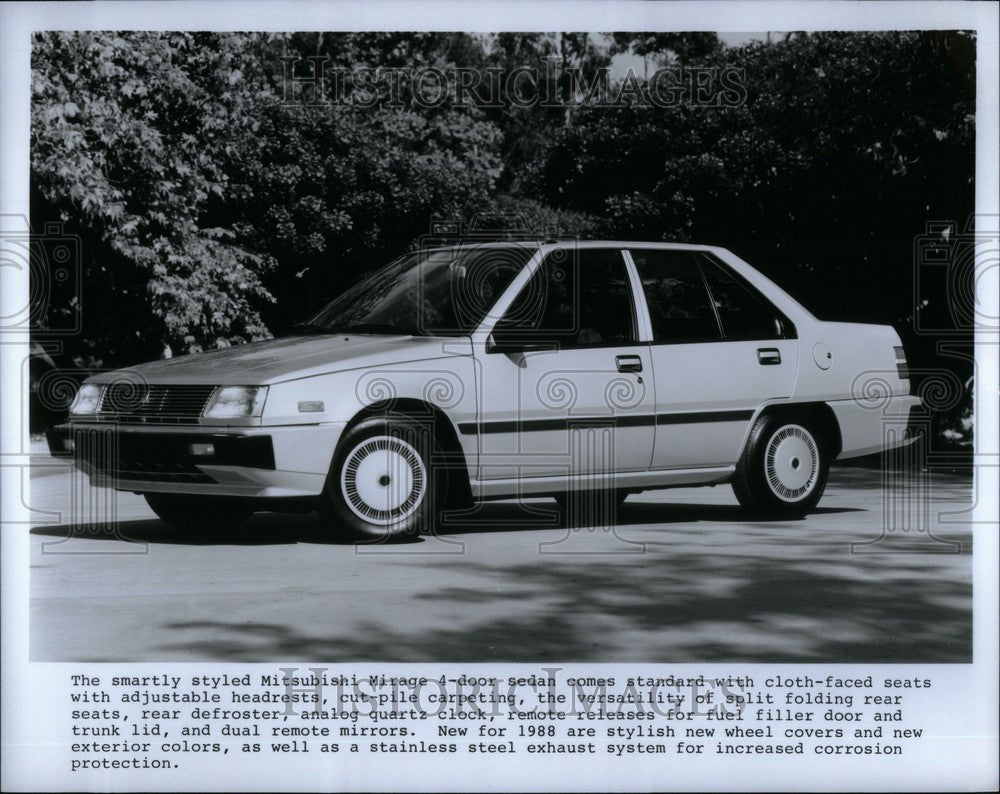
<point x="194" y="512"/>
<point x="382" y="483"/>
<point x="783" y="470"/>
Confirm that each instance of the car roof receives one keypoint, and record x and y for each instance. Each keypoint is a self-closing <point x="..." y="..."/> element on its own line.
<point x="569" y="241"/>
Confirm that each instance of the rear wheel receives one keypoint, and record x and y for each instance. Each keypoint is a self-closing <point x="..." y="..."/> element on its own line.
<point x="383" y="482"/>
<point x="184" y="511"/>
<point x="783" y="470"/>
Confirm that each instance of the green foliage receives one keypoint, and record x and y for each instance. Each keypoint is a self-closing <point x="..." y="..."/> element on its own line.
<point x="131" y="138"/>
<point x="667" y="48"/>
<point x="333" y="194"/>
<point x="200" y="196"/>
<point x="543" y="220"/>
<point x="883" y="122"/>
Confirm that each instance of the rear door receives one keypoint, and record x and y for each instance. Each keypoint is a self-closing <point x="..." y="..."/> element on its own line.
<point x="719" y="350"/>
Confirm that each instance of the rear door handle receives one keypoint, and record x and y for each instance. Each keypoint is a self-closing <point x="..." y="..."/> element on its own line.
<point x="629" y="363"/>
<point x="768" y="355"/>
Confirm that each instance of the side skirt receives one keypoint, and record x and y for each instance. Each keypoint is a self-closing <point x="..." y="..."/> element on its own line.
<point x="638" y="480"/>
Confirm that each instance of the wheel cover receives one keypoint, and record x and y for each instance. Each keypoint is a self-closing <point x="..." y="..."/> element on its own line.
<point x="791" y="463"/>
<point x="383" y="480"/>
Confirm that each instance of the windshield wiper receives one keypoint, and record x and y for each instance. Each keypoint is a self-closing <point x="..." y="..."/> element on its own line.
<point x="356" y="328"/>
<point x="379" y="328"/>
<point x="309" y="328"/>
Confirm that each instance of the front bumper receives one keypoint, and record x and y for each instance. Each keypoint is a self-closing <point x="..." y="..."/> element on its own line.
<point x="264" y="462"/>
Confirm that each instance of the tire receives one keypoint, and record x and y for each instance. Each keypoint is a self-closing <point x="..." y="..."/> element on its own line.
<point x="191" y="512"/>
<point x="783" y="470"/>
<point x="384" y="481"/>
<point x="585" y="502"/>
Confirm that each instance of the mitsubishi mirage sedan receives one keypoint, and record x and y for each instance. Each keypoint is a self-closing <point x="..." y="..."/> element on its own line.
<point x="584" y="371"/>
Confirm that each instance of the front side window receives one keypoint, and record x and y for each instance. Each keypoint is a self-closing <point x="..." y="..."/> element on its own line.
<point x="445" y="292"/>
<point x="743" y="312"/>
<point x="680" y="308"/>
<point x="577" y="298"/>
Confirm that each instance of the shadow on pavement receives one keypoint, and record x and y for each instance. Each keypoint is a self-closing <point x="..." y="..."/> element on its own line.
<point x="749" y="592"/>
<point x="266" y="529"/>
<point x="768" y="612"/>
<point x="284" y="528"/>
<point x="509" y="516"/>
<point x="775" y="598"/>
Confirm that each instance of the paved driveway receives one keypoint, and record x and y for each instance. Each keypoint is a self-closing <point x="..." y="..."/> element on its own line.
<point x="685" y="576"/>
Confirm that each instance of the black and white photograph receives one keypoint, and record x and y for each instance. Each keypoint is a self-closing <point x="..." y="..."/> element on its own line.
<point x="621" y="400"/>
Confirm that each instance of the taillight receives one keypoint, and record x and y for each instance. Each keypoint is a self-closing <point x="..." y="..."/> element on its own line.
<point x="901" y="367"/>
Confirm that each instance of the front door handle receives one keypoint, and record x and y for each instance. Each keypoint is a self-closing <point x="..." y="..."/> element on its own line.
<point x="629" y="363"/>
<point x="768" y="355"/>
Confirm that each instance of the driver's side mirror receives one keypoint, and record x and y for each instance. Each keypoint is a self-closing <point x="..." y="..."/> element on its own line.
<point x="501" y="342"/>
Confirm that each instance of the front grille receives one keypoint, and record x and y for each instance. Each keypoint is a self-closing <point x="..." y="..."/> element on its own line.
<point x="142" y="403"/>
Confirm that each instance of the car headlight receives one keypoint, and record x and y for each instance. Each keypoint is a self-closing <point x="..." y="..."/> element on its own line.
<point x="87" y="400"/>
<point x="227" y="402"/>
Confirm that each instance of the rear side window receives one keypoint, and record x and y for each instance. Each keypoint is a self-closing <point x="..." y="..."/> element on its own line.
<point x="743" y="312"/>
<point x="680" y="307"/>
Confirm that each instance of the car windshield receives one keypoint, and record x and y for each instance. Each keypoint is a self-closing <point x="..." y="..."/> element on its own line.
<point x="444" y="292"/>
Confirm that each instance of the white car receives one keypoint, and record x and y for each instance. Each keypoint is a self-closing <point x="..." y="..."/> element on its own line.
<point x="498" y="371"/>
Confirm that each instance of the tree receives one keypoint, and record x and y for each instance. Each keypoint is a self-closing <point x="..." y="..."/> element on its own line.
<point x="668" y="48"/>
<point x="199" y="195"/>
<point x="131" y="136"/>
<point x="211" y="212"/>
<point x="847" y="146"/>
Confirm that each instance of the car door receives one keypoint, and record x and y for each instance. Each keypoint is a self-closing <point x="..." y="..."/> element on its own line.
<point x="564" y="377"/>
<point x="719" y="351"/>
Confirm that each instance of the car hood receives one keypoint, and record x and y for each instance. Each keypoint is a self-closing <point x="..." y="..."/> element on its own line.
<point x="289" y="358"/>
